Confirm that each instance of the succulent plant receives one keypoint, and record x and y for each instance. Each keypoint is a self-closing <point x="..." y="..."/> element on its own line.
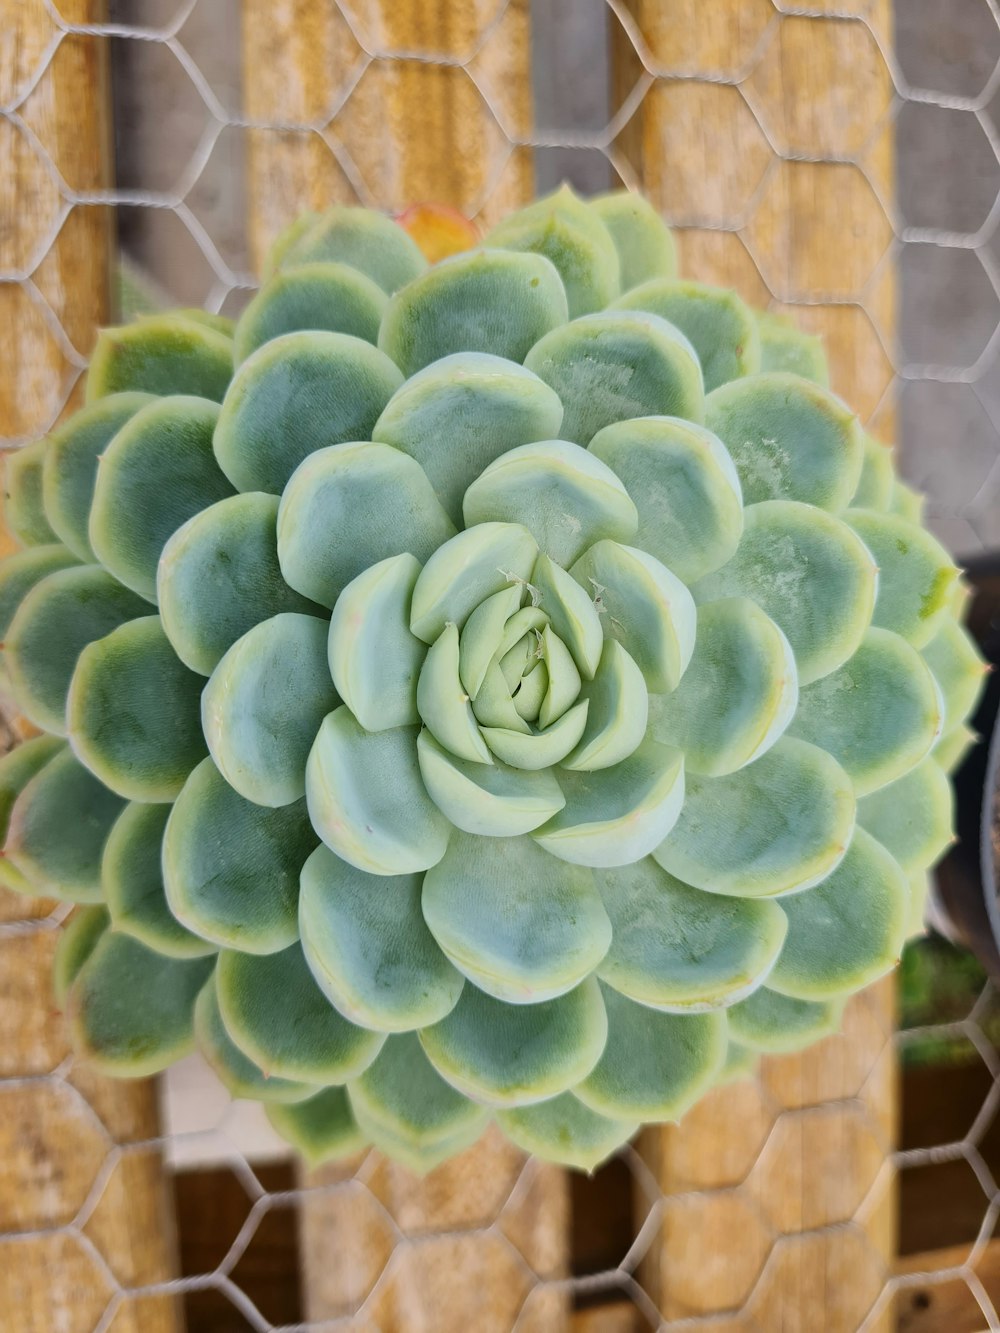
<point x="514" y="687"/>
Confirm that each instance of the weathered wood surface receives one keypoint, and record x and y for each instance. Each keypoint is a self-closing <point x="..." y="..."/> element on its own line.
<point x="59" y="1137"/>
<point x="779" y="1206"/>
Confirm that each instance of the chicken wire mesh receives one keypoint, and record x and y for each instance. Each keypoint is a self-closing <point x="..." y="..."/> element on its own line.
<point x="183" y="138"/>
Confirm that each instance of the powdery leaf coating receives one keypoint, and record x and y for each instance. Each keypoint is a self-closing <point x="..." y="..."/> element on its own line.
<point x="579" y="683"/>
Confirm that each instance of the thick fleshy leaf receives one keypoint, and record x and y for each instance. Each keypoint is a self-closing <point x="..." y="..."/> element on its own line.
<point x="847" y="931"/>
<point x="491" y="800"/>
<point x="617" y="713"/>
<point x="521" y="927"/>
<point x="467" y="570"/>
<point x="570" y="234"/>
<point x="919" y="885"/>
<point x="655" y="1065"/>
<point x="782" y="823"/>
<point x="18" y="575"/>
<point x="645" y="246"/>
<point x="777" y="1024"/>
<point x="679" y="949"/>
<point x="320" y="1128"/>
<point x="70" y="462"/>
<point x="58" y="827"/>
<point x="515" y="1054"/>
<point x="131" y="1011"/>
<point x="642" y="605"/>
<point x="296" y="394"/>
<point x="721" y="328"/>
<point x="231" y="868"/>
<point x="494" y="705"/>
<point x="157" y="472"/>
<point x="912" y="817"/>
<point x="737" y="696"/>
<point x="685" y="488"/>
<point x="263" y="706"/>
<point x="563" y="1130"/>
<point x="219" y="576"/>
<point x="482" y="635"/>
<point x="916" y="577"/>
<point x="132" y="712"/>
<point x="161" y="354"/>
<point x="17" y="768"/>
<point x="78" y="939"/>
<point x="878" y="714"/>
<point x="614" y="816"/>
<point x="209" y="318"/>
<point x="460" y="413"/>
<point x="362" y="238"/>
<point x="494" y="301"/>
<point x="907" y="502"/>
<point x="23" y="499"/>
<point x="238" y="1074"/>
<point x="132" y="884"/>
<point x="374" y="657"/>
<point x="60" y="615"/>
<point x="367" y="800"/>
<point x="368" y="946"/>
<point x="566" y="498"/>
<point x="539" y="749"/>
<point x="408" y="1110"/>
<point x="813" y="576"/>
<point x="571" y="612"/>
<point x="789" y="439"/>
<point x="615" y="366"/>
<point x="740" y="1063"/>
<point x="959" y="670"/>
<point x="953" y="746"/>
<point x="347" y="508"/>
<point x="877" y="477"/>
<point x="443" y="704"/>
<point x="562" y="679"/>
<point x="785" y="348"/>
<point x="333" y="297"/>
<point x="278" y="1017"/>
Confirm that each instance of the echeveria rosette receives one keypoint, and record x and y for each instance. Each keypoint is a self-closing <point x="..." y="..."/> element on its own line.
<point x="510" y="688"/>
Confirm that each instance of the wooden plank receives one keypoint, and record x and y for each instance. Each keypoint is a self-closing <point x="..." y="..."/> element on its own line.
<point x="779" y="1209"/>
<point x="940" y="1304"/>
<point x="57" y="1136"/>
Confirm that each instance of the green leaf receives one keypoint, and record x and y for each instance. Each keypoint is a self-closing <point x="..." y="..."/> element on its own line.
<point x="642" y="605"/>
<point x="907" y="502"/>
<point x="685" y="487"/>
<point x="460" y="413"/>
<point x="376" y="500"/>
<point x="132" y="883"/>
<point x="877" y="477"/>
<point x="369" y="948"/>
<point x="320" y="1128"/>
<point x="566" y="498"/>
<point x="70" y="463"/>
<point x="916" y="578"/>
<point x="617" y="713"/>
<point x="231" y="868"/>
<point x="953" y="746"/>
<point x="679" y="949"/>
<point x="490" y="800"/>
<point x="296" y="394"/>
<point x="616" y="815"/>
<point x="444" y="706"/>
<point x="132" y="712"/>
<point x="738" y="694"/>
<point x="465" y="571"/>
<point x="570" y="611"/>
<point x="219" y="576"/>
<point x="655" y="1065"/>
<point x="481" y="301"/>
<point x="563" y="1130"/>
<point x="18" y="575"/>
<point x="278" y="1017"/>
<point x="784" y="347"/>
<point x="878" y="714"/>
<point x="721" y="328"/>
<point x="156" y="473"/>
<point x="374" y="658"/>
<point x="515" y="1054"/>
<point x="367" y="801"/>
<point x="239" y="1075"/>
<point x="326" y="296"/>
<point x="263" y="706"/>
<point x="23" y="504"/>
<point x="810" y="573"/>
<point x="959" y="670"/>
<point x="131" y="1011"/>
<point x="58" y="827"/>
<point x="407" y="1109"/>
<point x="645" y="246"/>
<point x="17" y="768"/>
<point x="161" y="354"/>
<point x="912" y="817"/>
<point x="482" y="635"/>
<point x="78" y="939"/>
<point x="521" y="927"/>
<point x="615" y="366"/>
<point x="777" y="1025"/>
<point x="539" y="749"/>
<point x="740" y="1063"/>
<point x="847" y="931"/>
<point x="782" y="823"/>
<point x="362" y="238"/>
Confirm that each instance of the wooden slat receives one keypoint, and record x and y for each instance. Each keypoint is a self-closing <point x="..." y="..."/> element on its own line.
<point x="779" y="1208"/>
<point x="56" y="1136"/>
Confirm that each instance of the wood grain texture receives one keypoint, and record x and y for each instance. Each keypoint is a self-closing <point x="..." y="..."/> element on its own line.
<point x="779" y="1195"/>
<point x="60" y="1136"/>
